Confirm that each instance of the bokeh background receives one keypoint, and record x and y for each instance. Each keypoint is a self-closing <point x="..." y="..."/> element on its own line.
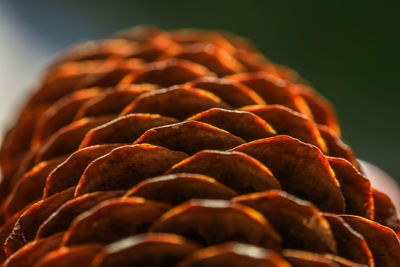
<point x="348" y="50"/>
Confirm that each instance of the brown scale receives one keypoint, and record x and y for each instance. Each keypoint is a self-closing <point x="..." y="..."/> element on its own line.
<point x="382" y="241"/>
<point x="166" y="102"/>
<point x="190" y="137"/>
<point x="356" y="188"/>
<point x="70" y="171"/>
<point x="67" y="139"/>
<point x="5" y="231"/>
<point x="33" y="252"/>
<point x="153" y="48"/>
<point x="112" y="76"/>
<point x="336" y="146"/>
<point x="342" y="261"/>
<point x="385" y="211"/>
<point x="236" y="170"/>
<point x="78" y="256"/>
<point x="321" y="109"/>
<point x="300" y="224"/>
<point x="125" y="129"/>
<point x="273" y="90"/>
<point x="29" y="222"/>
<point x="233" y="93"/>
<point x="16" y="143"/>
<point x="63" y="79"/>
<point x="152" y="250"/>
<point x="216" y="59"/>
<point x="288" y="122"/>
<point x="242" y="124"/>
<point x="301" y="169"/>
<point x="61" y="218"/>
<point x="96" y="50"/>
<point x="211" y="222"/>
<point x="60" y="114"/>
<point x="168" y="72"/>
<point x="350" y="244"/>
<point x="190" y="36"/>
<point x="114" y="219"/>
<point x="172" y="95"/>
<point x="235" y="255"/>
<point x="112" y="101"/>
<point x="300" y="258"/>
<point x="126" y="166"/>
<point x="29" y="187"/>
<point x="178" y="188"/>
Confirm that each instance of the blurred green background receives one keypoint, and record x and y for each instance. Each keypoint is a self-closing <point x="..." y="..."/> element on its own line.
<point x="348" y="50"/>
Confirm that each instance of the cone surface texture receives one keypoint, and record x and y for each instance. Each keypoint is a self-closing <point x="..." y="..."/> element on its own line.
<point x="188" y="149"/>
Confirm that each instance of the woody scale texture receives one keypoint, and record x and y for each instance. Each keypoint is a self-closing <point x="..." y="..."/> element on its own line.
<point x="184" y="148"/>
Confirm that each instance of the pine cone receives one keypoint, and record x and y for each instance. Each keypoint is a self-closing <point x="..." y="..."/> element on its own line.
<point x="184" y="149"/>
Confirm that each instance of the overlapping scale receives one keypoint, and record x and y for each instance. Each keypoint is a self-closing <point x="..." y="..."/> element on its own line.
<point x="382" y="241"/>
<point x="179" y="188"/>
<point x="166" y="102"/>
<point x="243" y="124"/>
<point x="233" y="93"/>
<point x="60" y="114"/>
<point x="168" y="72"/>
<point x="216" y="59"/>
<point x="300" y="258"/>
<point x="184" y="149"/>
<point x="288" y="122"/>
<point x="273" y="89"/>
<point x="34" y="251"/>
<point x="210" y="222"/>
<point x="78" y="256"/>
<point x="69" y="172"/>
<point x="234" y="254"/>
<point x="300" y="224"/>
<point x="238" y="171"/>
<point x="67" y="139"/>
<point x="384" y="211"/>
<point x="126" y="166"/>
<point x="190" y="137"/>
<point x="60" y="220"/>
<point x="112" y="220"/>
<point x="112" y="101"/>
<point x="124" y="130"/>
<point x="113" y="75"/>
<point x="300" y="168"/>
<point x="355" y="188"/>
<point x="29" y="188"/>
<point x="29" y="222"/>
<point x="145" y="250"/>
<point x="350" y="244"/>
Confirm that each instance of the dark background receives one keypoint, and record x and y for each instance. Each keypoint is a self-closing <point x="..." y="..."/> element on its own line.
<point x="348" y="50"/>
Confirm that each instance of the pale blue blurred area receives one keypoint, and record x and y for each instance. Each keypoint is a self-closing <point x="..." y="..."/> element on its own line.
<point x="348" y="50"/>
<point x="21" y="60"/>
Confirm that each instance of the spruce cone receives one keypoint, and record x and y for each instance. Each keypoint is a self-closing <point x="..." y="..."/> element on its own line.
<point x="184" y="149"/>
